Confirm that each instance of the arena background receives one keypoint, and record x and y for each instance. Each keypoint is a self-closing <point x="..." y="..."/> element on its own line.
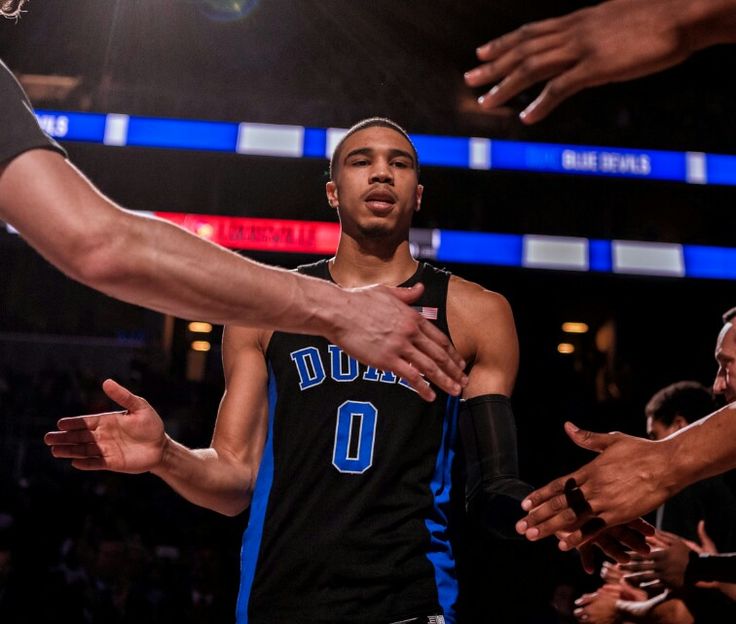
<point x="109" y="548"/>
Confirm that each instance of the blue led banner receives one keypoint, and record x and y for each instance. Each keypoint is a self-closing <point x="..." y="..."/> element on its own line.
<point x="441" y="151"/>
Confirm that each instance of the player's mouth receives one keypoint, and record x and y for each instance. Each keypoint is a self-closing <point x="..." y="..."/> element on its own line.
<point x="380" y="201"/>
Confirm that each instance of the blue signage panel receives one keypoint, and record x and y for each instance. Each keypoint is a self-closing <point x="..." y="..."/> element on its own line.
<point x="73" y="126"/>
<point x="182" y="134"/>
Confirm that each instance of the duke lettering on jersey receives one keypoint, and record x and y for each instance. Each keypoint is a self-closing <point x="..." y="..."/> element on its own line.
<point x="342" y="368"/>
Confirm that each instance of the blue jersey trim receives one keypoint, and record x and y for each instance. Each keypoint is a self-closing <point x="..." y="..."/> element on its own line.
<point x="254" y="533"/>
<point x="440" y="552"/>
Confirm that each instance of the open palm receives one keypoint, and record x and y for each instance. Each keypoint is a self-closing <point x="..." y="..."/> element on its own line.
<point x="129" y="441"/>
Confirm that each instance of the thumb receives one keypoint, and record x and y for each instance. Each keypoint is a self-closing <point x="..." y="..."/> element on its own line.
<point x="706" y="542"/>
<point x="408" y="295"/>
<point x="122" y="396"/>
<point x="587" y="439"/>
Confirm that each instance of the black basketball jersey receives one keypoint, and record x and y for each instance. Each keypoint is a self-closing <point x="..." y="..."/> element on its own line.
<point x="350" y="514"/>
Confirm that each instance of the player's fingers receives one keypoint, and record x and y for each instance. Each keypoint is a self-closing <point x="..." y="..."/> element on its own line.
<point x="587" y="558"/>
<point x="122" y="396"/>
<point x="613" y="548"/>
<point x="637" y="565"/>
<point x="442" y="348"/>
<point x="632" y="539"/>
<point x="585" y="599"/>
<point x="642" y="526"/>
<point x="639" y="578"/>
<point x="407" y="295"/>
<point x="528" y="32"/>
<point x="554" y="93"/>
<point x="72" y="451"/>
<point x="564" y="520"/>
<point x="590" y="529"/>
<point x="493" y="71"/>
<point x="77" y="436"/>
<point x="89" y="463"/>
<point x="530" y="71"/>
<point x="554" y="489"/>
<point x="90" y="422"/>
<point x="411" y="375"/>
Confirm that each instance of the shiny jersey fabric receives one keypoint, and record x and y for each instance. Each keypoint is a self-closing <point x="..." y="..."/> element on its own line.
<point x="350" y="515"/>
<point x="21" y="131"/>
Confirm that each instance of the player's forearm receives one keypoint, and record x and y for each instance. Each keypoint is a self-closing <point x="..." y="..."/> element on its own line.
<point x="705" y="23"/>
<point x="703" y="449"/>
<point x="150" y="262"/>
<point x="207" y="478"/>
<point x="168" y="269"/>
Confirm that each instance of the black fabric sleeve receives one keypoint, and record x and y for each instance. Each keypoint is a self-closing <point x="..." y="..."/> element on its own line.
<point x="705" y="567"/>
<point x="20" y="131"/>
<point x="493" y="490"/>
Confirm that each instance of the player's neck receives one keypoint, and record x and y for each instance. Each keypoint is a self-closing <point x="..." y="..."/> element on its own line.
<point x="356" y="265"/>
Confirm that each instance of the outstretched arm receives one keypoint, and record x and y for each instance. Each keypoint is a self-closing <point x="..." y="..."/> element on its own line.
<point x="221" y="477"/>
<point x="614" y="41"/>
<point x="152" y="263"/>
<point x="630" y="477"/>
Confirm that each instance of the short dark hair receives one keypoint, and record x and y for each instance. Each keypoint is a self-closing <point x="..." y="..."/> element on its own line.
<point x="688" y="399"/>
<point x="729" y="315"/>
<point x="371" y="122"/>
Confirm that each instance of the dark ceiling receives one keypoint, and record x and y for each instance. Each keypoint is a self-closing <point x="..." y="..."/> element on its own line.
<point x="331" y="62"/>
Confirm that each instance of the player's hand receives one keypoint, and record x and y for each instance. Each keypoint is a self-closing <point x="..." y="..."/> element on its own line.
<point x="663" y="567"/>
<point x="378" y="328"/>
<point x="129" y="441"/>
<point x="614" y="41"/>
<point x="596" y="608"/>
<point x="626" y="480"/>
<point x="617" y="542"/>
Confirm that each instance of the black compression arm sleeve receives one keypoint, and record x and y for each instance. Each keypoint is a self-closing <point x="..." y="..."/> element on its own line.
<point x="493" y="490"/>
<point x="705" y="567"/>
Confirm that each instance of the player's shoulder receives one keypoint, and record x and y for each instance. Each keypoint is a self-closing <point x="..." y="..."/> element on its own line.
<point x="475" y="298"/>
<point x="237" y="337"/>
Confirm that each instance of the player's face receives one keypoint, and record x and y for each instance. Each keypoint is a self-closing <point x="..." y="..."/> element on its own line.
<point x="375" y="189"/>
<point x="725" y="382"/>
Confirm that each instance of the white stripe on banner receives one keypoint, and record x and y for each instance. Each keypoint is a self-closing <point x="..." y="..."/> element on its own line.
<point x="648" y="258"/>
<point x="116" y="130"/>
<point x="270" y="140"/>
<point x="480" y="153"/>
<point x="555" y="252"/>
<point x="697" y="172"/>
<point x="334" y="136"/>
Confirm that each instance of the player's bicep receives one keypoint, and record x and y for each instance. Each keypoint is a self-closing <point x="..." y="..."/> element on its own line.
<point x="242" y="420"/>
<point x="497" y="348"/>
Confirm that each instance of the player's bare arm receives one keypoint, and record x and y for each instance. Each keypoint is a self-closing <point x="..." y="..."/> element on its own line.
<point x="221" y="477"/>
<point x="155" y="264"/>
<point x="631" y="476"/>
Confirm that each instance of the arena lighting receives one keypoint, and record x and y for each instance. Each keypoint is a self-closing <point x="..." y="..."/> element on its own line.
<point x="201" y="345"/>
<point x="565" y="348"/>
<point x="529" y="251"/>
<point x="198" y="327"/>
<point x="575" y="328"/>
<point x="441" y="151"/>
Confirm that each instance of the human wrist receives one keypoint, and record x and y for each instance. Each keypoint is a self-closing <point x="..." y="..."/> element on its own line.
<point x="164" y="462"/>
<point x="703" y="23"/>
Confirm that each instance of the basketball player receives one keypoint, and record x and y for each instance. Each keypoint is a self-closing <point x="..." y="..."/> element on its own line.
<point x="346" y="471"/>
<point x="155" y="264"/>
<point x="632" y="476"/>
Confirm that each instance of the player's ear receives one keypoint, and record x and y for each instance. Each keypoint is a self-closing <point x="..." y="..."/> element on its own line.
<point x="331" y="190"/>
<point x="420" y="192"/>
